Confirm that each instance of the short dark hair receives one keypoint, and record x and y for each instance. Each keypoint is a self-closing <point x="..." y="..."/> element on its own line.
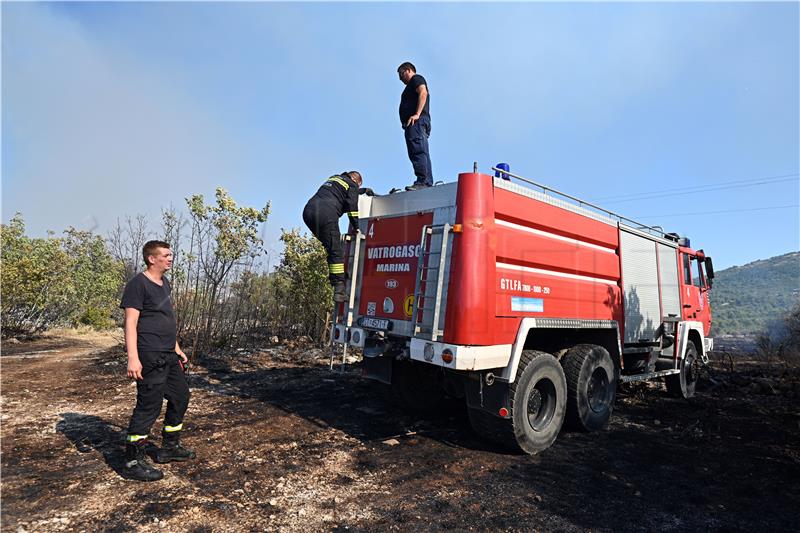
<point x="405" y="66"/>
<point x="353" y="174"/>
<point x="150" y="248"/>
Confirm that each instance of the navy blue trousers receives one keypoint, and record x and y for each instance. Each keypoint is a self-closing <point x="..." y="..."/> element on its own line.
<point x="417" y="145"/>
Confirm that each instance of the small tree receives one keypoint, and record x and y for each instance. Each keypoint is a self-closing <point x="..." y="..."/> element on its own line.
<point x="96" y="276"/>
<point x="225" y="233"/>
<point x="302" y="290"/>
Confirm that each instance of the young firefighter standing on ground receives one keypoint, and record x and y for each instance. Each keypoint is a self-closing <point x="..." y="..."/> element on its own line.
<point x="156" y="362"/>
<point x="338" y="195"/>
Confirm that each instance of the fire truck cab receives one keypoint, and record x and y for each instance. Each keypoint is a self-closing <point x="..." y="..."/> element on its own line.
<point x="530" y="304"/>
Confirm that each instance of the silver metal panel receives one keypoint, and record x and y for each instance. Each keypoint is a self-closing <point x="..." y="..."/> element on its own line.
<point x="574" y="323"/>
<point x="640" y="287"/>
<point x="552" y="200"/>
<point x="637" y="231"/>
<point x="670" y="290"/>
<point x="401" y="203"/>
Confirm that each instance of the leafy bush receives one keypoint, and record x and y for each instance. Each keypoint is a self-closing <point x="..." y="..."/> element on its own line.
<point x="97" y="318"/>
<point x="52" y="281"/>
<point x="303" y="295"/>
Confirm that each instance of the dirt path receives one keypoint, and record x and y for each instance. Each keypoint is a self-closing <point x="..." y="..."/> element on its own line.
<point x="285" y="445"/>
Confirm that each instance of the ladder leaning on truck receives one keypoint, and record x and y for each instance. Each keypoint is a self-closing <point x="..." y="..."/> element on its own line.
<point x="530" y="304"/>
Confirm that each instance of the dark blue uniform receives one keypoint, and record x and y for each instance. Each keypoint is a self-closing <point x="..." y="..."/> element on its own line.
<point x="337" y="196"/>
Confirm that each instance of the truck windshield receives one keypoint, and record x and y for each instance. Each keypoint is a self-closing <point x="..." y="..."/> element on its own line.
<point x="699" y="275"/>
<point x="687" y="272"/>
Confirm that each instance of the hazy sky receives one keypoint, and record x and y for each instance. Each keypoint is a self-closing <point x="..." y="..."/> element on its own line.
<point x="683" y="115"/>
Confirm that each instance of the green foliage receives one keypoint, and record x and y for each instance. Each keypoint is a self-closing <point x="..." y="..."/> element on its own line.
<point x="235" y="229"/>
<point x="97" y="318"/>
<point x="746" y="299"/>
<point x="225" y="236"/>
<point x="95" y="275"/>
<point x="54" y="281"/>
<point x="303" y="293"/>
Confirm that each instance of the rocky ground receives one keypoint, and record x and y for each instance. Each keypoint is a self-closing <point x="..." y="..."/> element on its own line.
<point x="286" y="445"/>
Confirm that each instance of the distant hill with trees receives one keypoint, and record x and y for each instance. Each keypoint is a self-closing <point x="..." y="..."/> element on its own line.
<point x="745" y="299"/>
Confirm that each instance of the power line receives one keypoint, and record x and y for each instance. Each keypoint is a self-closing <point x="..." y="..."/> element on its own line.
<point x="766" y="180"/>
<point x="718" y="212"/>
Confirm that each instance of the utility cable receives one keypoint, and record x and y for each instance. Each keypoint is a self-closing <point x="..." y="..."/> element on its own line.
<point x="718" y="212"/>
<point x="766" y="180"/>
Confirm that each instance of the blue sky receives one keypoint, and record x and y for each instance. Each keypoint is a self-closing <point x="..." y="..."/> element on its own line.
<point x="668" y="113"/>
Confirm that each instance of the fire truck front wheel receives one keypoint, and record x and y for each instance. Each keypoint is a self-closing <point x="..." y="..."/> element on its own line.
<point x="591" y="386"/>
<point x="683" y="385"/>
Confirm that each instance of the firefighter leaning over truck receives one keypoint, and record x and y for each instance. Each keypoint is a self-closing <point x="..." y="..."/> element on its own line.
<point x="337" y="195"/>
<point x="530" y="304"/>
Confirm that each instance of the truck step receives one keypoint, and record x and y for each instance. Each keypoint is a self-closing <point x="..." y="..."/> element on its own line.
<point x="648" y="375"/>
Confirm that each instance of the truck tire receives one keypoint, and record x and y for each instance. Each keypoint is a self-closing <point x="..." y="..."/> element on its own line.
<point x="591" y="387"/>
<point x="537" y="402"/>
<point x="683" y="385"/>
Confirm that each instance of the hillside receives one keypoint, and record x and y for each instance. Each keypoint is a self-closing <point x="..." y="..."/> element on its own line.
<point x="745" y="298"/>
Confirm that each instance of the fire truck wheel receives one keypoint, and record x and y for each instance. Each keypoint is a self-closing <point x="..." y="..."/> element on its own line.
<point x="538" y="398"/>
<point x="591" y="387"/>
<point x="683" y="385"/>
<point x="537" y="401"/>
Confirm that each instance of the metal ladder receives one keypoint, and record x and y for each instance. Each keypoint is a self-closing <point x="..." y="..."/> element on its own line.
<point x="349" y="304"/>
<point x="424" y="277"/>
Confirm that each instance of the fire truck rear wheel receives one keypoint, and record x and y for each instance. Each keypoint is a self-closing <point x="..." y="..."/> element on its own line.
<point x="591" y="387"/>
<point x="538" y="399"/>
<point x="683" y="385"/>
<point x="537" y="402"/>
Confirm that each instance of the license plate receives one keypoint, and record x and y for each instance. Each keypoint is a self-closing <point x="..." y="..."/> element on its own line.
<point x="375" y="323"/>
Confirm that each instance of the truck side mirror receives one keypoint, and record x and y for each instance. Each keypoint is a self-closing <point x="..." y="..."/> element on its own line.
<point x="709" y="268"/>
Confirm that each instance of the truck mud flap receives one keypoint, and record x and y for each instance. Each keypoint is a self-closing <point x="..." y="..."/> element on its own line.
<point x="489" y="398"/>
<point x="378" y="369"/>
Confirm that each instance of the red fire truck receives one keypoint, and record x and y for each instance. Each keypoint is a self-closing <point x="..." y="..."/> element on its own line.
<point x="530" y="304"/>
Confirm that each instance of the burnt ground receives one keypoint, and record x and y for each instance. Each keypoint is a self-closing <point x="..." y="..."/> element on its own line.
<point x="286" y="445"/>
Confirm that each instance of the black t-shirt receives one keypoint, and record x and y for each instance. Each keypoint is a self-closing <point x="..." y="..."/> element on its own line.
<point x="409" y="99"/>
<point x="157" y="328"/>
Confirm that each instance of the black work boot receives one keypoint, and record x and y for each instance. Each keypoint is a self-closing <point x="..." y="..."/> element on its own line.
<point x="338" y="291"/>
<point x="171" y="449"/>
<point x="136" y="465"/>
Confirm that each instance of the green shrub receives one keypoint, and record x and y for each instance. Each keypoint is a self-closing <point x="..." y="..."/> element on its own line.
<point x="97" y="318"/>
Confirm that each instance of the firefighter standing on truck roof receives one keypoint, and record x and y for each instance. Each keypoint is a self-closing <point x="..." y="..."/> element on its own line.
<point x="338" y="195"/>
<point x="415" y="118"/>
